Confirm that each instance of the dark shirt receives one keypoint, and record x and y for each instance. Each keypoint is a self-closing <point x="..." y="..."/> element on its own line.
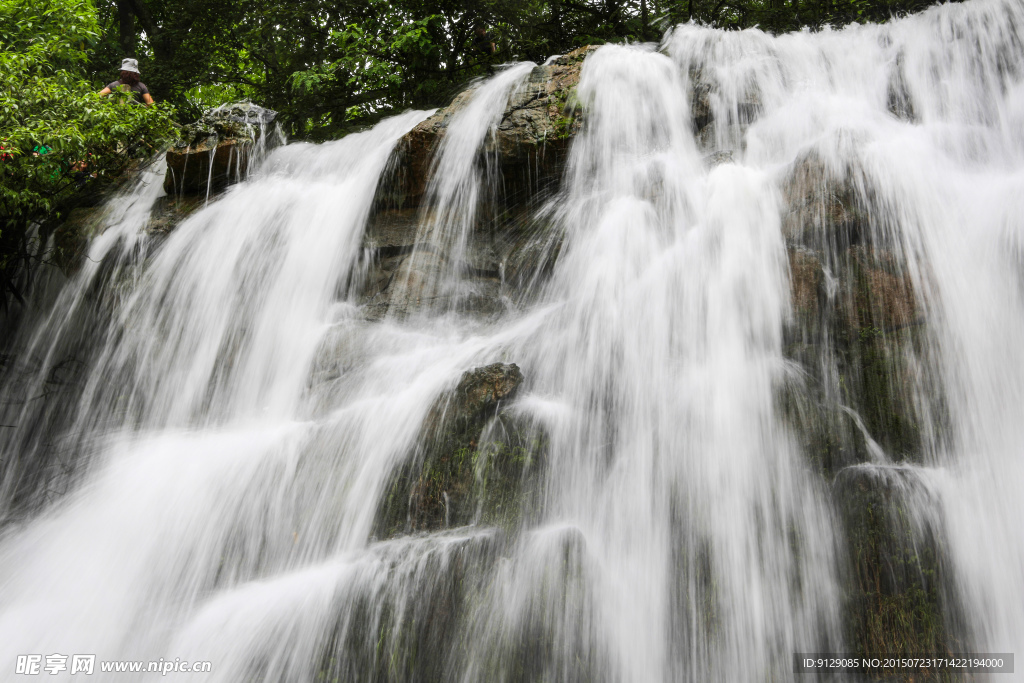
<point x="139" y="88"/>
<point x="482" y="42"/>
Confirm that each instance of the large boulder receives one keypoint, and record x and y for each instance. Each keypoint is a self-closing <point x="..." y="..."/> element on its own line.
<point x="856" y="332"/>
<point x="476" y="460"/>
<point x="898" y="580"/>
<point x="215" y="150"/>
<point x="532" y="136"/>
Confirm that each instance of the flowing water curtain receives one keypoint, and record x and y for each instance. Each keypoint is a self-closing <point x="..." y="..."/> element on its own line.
<point x="462" y="182"/>
<point x="42" y="454"/>
<point x="669" y="476"/>
<point x="774" y="376"/>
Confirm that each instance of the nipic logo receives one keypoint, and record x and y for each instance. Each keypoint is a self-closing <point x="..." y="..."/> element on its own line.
<point x="28" y="664"/>
<point x="83" y="664"/>
<point x="32" y="665"/>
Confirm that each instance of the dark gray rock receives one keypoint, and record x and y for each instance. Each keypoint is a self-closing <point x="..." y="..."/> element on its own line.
<point x="898" y="580"/>
<point x="475" y="462"/>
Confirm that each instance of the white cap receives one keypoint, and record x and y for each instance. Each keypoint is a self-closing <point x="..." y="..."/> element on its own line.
<point x="129" y="64"/>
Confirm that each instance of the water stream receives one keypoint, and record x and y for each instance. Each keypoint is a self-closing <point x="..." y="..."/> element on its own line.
<point x="788" y="267"/>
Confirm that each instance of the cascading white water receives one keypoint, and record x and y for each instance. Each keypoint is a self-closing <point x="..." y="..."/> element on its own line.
<point x="239" y="420"/>
<point x="457" y="186"/>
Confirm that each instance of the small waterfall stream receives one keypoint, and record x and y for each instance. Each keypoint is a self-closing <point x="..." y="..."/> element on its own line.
<point x="775" y="340"/>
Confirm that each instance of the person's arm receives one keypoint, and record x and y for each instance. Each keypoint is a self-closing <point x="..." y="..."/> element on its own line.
<point x="148" y="99"/>
<point x="104" y="92"/>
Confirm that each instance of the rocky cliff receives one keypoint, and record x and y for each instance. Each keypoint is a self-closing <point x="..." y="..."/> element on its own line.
<point x="854" y="337"/>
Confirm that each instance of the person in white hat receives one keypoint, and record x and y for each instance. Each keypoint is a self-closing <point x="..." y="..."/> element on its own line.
<point x="129" y="82"/>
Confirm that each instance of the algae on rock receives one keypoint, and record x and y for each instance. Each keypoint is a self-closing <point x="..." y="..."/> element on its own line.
<point x="475" y="462"/>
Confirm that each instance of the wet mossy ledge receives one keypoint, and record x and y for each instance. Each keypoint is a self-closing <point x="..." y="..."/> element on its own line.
<point x="477" y="461"/>
<point x="215" y="151"/>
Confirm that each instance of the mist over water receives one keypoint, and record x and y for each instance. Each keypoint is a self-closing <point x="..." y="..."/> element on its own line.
<point x="205" y="481"/>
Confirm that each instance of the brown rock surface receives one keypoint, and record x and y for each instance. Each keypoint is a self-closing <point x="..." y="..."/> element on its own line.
<point x="215" y="150"/>
<point x="533" y="133"/>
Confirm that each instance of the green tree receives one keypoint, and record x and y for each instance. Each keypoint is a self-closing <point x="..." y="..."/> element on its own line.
<point x="330" y="65"/>
<point x="59" y="138"/>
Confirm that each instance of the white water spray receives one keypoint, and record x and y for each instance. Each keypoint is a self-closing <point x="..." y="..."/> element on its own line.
<point x="239" y="420"/>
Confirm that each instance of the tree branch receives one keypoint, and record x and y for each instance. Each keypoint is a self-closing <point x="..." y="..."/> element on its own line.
<point x="145" y="18"/>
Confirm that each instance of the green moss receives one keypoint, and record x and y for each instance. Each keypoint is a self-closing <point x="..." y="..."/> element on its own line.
<point x="895" y="602"/>
<point x="874" y="373"/>
<point x="485" y="472"/>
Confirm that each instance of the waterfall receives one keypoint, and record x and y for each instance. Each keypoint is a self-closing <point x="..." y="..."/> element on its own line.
<point x="755" y="392"/>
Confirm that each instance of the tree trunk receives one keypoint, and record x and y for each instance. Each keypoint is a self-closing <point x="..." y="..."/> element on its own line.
<point x="556" y="21"/>
<point x="126" y="28"/>
<point x="611" y="9"/>
<point x="163" y="48"/>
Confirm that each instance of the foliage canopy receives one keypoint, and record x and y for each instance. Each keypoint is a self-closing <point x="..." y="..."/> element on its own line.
<point x="329" y="65"/>
<point x="57" y="136"/>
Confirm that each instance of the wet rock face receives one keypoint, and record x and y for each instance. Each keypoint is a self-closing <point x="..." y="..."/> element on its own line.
<point x="858" y="337"/>
<point x="823" y="206"/>
<point x="169" y="211"/>
<point x="380" y="634"/>
<point x="475" y="462"/>
<point x="71" y="239"/>
<point x="532" y="138"/>
<point x="897" y="592"/>
<point x="540" y="120"/>
<point x="215" y="150"/>
<point x="509" y="250"/>
<point x="508" y="256"/>
<point x="899" y="101"/>
<point x="719" y="121"/>
<point x="416" y="153"/>
<point x="856" y="331"/>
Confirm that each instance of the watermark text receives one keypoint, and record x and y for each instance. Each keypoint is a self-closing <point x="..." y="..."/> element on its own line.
<point x="38" y="665"/>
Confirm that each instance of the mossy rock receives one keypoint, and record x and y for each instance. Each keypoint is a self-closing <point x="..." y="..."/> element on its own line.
<point x="876" y="332"/>
<point x="212" y="152"/>
<point x="410" y="625"/>
<point x="826" y="434"/>
<point x="897" y="588"/>
<point x="858" y="337"/>
<point x="529" y="246"/>
<point x="474" y="464"/>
